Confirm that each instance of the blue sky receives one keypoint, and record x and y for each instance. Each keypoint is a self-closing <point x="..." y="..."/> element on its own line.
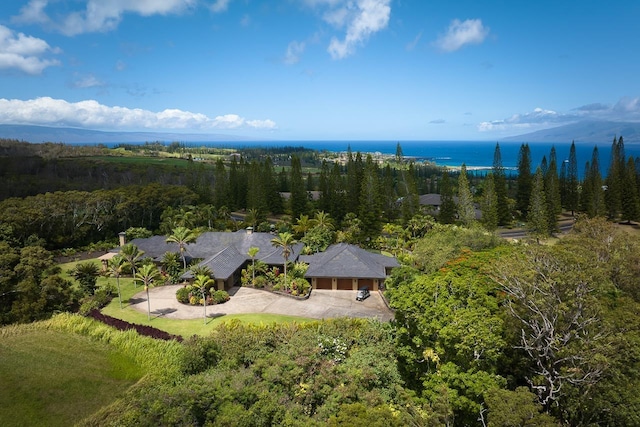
<point x="319" y="69"/>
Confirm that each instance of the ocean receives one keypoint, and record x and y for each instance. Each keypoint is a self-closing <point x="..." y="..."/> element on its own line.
<point x="474" y="154"/>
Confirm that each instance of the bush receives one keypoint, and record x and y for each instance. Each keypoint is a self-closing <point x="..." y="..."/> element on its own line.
<point x="261" y="282"/>
<point x="220" y="297"/>
<point x="200" y="354"/>
<point x="182" y="294"/>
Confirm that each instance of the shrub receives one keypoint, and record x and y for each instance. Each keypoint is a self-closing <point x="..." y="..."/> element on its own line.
<point x="182" y="294"/>
<point x="220" y="297"/>
<point x="261" y="282"/>
<point x="200" y="354"/>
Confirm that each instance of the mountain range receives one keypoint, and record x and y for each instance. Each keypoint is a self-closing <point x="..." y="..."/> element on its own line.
<point x="598" y="132"/>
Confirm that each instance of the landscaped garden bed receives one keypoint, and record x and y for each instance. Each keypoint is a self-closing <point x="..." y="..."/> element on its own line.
<point x="260" y="276"/>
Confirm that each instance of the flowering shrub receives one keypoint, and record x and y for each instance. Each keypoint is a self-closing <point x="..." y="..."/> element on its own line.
<point x="335" y="348"/>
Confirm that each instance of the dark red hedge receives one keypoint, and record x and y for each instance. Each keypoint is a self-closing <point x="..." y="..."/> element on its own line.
<point x="122" y="325"/>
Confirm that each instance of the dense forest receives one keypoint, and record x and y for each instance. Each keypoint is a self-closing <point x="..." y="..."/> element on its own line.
<point x="486" y="332"/>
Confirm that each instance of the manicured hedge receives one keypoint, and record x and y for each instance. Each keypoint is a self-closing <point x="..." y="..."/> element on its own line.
<point x="122" y="325"/>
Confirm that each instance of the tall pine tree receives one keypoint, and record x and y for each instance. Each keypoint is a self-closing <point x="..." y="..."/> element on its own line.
<point x="615" y="179"/>
<point x="572" y="195"/>
<point x="298" y="198"/>
<point x="500" y="183"/>
<point x="466" y="210"/>
<point x="447" y="213"/>
<point x="552" y="191"/>
<point x="537" y="220"/>
<point x="524" y="180"/>
<point x="489" y="204"/>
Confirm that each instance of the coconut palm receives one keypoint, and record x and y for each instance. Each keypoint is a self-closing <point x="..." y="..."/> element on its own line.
<point x="284" y="241"/>
<point x="253" y="251"/>
<point x="132" y="255"/>
<point x="203" y="282"/>
<point x="114" y="268"/>
<point x="147" y="275"/>
<point x="182" y="236"/>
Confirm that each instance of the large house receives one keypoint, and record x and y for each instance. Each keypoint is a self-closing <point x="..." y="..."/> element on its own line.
<point x="341" y="266"/>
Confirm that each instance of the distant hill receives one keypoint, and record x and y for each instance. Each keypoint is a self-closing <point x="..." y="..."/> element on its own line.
<point x="587" y="131"/>
<point x="38" y="134"/>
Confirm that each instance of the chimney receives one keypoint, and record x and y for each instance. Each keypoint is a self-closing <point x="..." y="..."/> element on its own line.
<point x="122" y="236"/>
<point x="249" y="230"/>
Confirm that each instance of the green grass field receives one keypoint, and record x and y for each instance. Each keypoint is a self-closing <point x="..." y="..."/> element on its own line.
<point x="56" y="379"/>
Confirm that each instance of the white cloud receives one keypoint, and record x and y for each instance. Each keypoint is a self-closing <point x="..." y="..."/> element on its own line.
<point x="100" y="15"/>
<point x="294" y="50"/>
<point x="361" y="18"/>
<point x="461" y="33"/>
<point x="33" y="12"/>
<point x="91" y="114"/>
<point x="627" y="109"/>
<point x="219" y="6"/>
<point x="84" y="82"/>
<point x="23" y="52"/>
<point x="537" y="119"/>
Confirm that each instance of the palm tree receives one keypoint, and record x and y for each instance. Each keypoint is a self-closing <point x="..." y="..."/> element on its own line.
<point x="285" y="241"/>
<point x="303" y="224"/>
<point x="203" y="282"/>
<point x="322" y="219"/>
<point x="132" y="256"/>
<point x="87" y="274"/>
<point x="252" y="217"/>
<point x="182" y="236"/>
<point x="146" y="276"/>
<point x="253" y="251"/>
<point x="201" y="269"/>
<point x="114" y="268"/>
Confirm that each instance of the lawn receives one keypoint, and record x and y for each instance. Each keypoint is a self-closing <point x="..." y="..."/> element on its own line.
<point x="57" y="379"/>
<point x="187" y="327"/>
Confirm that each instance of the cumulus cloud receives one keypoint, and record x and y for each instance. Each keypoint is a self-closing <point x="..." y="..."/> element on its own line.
<point x="100" y="15"/>
<point x="437" y="122"/>
<point x="24" y="53"/>
<point x="294" y="50"/>
<point x="461" y="33"/>
<point x="360" y="19"/>
<point x="91" y="114"/>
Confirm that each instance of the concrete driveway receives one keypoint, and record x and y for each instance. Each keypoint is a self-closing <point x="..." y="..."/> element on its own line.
<point x="322" y="304"/>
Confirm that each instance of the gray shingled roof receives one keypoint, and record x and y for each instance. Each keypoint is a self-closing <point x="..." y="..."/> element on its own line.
<point x="223" y="264"/>
<point x="348" y="261"/>
<point x="212" y="244"/>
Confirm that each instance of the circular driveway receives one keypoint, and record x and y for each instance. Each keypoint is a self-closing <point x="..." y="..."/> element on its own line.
<point x="322" y="304"/>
